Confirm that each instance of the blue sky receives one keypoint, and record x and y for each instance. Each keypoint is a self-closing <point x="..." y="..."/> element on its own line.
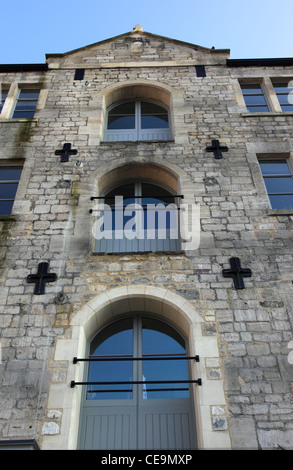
<point x="250" y="28"/>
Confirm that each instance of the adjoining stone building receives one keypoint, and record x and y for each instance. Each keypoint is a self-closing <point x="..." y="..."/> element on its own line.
<point x="171" y="127"/>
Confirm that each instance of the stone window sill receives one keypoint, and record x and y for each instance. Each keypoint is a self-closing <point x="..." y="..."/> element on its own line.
<point x="8" y="218"/>
<point x="270" y="114"/>
<point x="9" y="120"/>
<point x="137" y="142"/>
<point x="276" y="212"/>
<point x="134" y="253"/>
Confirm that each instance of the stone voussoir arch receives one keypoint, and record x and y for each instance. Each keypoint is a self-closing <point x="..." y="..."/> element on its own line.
<point x="158" y="91"/>
<point x="139" y="88"/>
<point x="127" y="299"/>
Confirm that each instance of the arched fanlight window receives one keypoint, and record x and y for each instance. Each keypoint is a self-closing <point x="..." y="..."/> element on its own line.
<point x="137" y="120"/>
<point x="137" y="217"/>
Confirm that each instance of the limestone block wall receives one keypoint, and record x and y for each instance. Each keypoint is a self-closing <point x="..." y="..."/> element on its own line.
<point x="51" y="222"/>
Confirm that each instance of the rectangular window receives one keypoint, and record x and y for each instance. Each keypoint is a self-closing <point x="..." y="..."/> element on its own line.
<point x="9" y="178"/>
<point x="278" y="178"/>
<point x="26" y="103"/>
<point x="282" y="90"/>
<point x="3" y="96"/>
<point x="255" y="98"/>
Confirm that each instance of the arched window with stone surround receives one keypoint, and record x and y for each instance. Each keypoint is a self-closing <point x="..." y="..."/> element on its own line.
<point x="133" y="187"/>
<point x="134" y="120"/>
<point x="138" y="112"/>
<point x="137" y="216"/>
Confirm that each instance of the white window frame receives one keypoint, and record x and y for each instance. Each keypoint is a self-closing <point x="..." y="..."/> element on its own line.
<point x="12" y="97"/>
<point x="2" y="89"/>
<point x="10" y="165"/>
<point x="17" y="99"/>
<point x="268" y="91"/>
<point x="281" y="80"/>
<point x="137" y="134"/>
<point x="275" y="158"/>
<point x="262" y="93"/>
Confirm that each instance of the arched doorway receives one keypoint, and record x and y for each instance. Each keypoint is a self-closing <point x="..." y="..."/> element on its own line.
<point x="168" y="306"/>
<point x="138" y="392"/>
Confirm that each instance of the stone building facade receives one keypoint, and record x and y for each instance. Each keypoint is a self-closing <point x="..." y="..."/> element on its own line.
<point x="241" y="333"/>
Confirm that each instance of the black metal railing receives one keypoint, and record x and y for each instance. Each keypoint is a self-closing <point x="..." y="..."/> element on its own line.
<point x="127" y="357"/>
<point x="140" y="197"/>
<point x="149" y="357"/>
<point x="143" y="206"/>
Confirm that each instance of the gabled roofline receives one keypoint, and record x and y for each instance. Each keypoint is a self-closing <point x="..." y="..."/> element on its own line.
<point x="140" y="33"/>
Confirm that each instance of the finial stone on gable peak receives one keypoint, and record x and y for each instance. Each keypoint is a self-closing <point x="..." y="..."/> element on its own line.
<point x="137" y="28"/>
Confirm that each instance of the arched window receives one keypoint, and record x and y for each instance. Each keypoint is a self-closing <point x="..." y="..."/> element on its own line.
<point x="137" y="217"/>
<point x="134" y="120"/>
<point x="138" y="392"/>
